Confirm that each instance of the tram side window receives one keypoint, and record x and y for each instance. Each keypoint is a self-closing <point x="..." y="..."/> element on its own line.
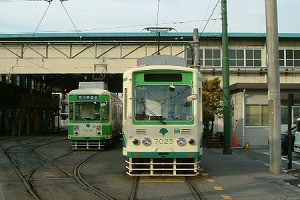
<point x="105" y="111"/>
<point x="77" y="111"/>
<point x="125" y="104"/>
<point x="71" y="111"/>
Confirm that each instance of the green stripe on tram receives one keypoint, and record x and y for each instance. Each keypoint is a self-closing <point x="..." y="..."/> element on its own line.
<point x="163" y="154"/>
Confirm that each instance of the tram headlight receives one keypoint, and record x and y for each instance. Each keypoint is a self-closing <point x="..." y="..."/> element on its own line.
<point x="146" y="141"/>
<point x="135" y="141"/>
<point x="181" y="141"/>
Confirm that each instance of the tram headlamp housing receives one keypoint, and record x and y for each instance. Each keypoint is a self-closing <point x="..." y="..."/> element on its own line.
<point x="181" y="141"/>
<point x="146" y="141"/>
<point x="172" y="88"/>
<point x="76" y="128"/>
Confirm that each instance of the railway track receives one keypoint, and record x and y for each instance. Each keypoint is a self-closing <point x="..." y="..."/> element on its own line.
<point x="194" y="189"/>
<point x="26" y="175"/>
<point x="192" y="186"/>
<point x="134" y="189"/>
<point x="83" y="182"/>
<point x="42" y="168"/>
<point x="26" y="178"/>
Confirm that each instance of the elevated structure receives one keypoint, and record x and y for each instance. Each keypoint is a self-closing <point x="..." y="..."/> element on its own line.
<point x="57" y="62"/>
<point x="64" y="59"/>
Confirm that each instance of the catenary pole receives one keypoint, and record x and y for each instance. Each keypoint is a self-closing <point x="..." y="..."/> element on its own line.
<point x="196" y="57"/>
<point x="226" y="89"/>
<point x="273" y="86"/>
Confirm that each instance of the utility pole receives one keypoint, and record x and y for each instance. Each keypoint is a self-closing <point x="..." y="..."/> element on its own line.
<point x="196" y="55"/>
<point x="226" y="90"/>
<point x="273" y="86"/>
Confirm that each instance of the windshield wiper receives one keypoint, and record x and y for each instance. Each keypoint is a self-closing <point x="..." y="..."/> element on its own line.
<point x="162" y="120"/>
<point x="83" y="118"/>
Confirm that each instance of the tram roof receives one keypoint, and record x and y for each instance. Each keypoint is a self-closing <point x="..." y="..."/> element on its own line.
<point x="136" y="35"/>
<point x="89" y="91"/>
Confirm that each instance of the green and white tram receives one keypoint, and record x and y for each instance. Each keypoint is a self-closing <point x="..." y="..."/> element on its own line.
<point x="162" y="121"/>
<point x="95" y="118"/>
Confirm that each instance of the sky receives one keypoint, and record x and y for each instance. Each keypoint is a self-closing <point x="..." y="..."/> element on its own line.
<point x="244" y="16"/>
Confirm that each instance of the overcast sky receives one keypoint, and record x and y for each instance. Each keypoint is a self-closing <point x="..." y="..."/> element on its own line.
<point x="29" y="16"/>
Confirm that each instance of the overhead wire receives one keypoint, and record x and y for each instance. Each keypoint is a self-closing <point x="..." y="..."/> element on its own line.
<point x="20" y="0"/>
<point x="61" y="1"/>
<point x="140" y="25"/>
<point x="80" y="36"/>
<point x="215" y="20"/>
<point x="122" y="27"/>
<point x="206" y="13"/>
<point x="49" y="1"/>
<point x="25" y="48"/>
<point x="210" y="17"/>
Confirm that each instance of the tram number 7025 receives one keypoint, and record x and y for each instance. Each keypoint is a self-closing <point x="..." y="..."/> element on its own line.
<point x="163" y="141"/>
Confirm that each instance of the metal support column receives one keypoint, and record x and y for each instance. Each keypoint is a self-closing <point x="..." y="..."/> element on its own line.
<point x="273" y="86"/>
<point x="196" y="58"/>
<point x="226" y="90"/>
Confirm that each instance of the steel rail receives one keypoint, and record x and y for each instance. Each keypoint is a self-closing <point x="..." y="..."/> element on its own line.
<point x="134" y="188"/>
<point x="194" y="189"/>
<point x="83" y="182"/>
<point x="26" y="178"/>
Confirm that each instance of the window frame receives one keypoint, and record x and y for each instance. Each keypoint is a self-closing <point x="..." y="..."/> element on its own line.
<point x="285" y="58"/>
<point x="261" y="115"/>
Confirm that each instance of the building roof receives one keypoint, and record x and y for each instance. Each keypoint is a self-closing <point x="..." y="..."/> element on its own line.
<point x="140" y="35"/>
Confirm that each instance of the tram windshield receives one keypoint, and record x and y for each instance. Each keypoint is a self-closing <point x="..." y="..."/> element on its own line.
<point x="89" y="111"/>
<point x="163" y="103"/>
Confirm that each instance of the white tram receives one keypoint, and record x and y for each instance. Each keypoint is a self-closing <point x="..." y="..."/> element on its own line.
<point x="162" y="120"/>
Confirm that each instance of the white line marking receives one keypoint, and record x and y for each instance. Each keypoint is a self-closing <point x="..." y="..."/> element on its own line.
<point x="283" y="158"/>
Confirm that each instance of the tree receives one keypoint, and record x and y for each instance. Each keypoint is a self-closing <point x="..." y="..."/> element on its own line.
<point x="212" y="98"/>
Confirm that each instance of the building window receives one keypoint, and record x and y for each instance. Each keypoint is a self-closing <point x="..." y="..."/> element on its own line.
<point x="189" y="56"/>
<point x="212" y="57"/>
<point x="237" y="57"/>
<point x="18" y="81"/>
<point x="257" y="115"/>
<point x="245" y="57"/>
<point x="295" y="114"/>
<point x="32" y="84"/>
<point x="289" y="58"/>
<point x="253" y="58"/>
<point x="208" y="57"/>
<point x="284" y="115"/>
